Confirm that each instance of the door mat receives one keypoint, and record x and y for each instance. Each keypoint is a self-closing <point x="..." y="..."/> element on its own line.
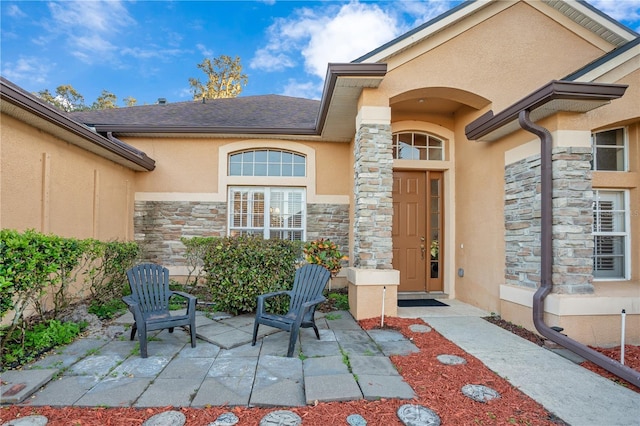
<point x="420" y="302"/>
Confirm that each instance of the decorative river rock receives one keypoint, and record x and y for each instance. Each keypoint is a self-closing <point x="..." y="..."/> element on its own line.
<point x="480" y="393"/>
<point x="451" y="359"/>
<point x="417" y="415"/>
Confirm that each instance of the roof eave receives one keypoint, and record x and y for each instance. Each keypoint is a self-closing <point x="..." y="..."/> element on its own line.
<point x="554" y="97"/>
<point x="118" y="152"/>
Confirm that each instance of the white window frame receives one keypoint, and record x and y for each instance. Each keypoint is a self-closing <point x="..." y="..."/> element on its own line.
<point x="625" y="149"/>
<point x="269" y="211"/>
<point x="613" y="196"/>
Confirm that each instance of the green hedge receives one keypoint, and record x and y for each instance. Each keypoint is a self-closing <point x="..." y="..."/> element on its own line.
<point x="238" y="269"/>
<point x="36" y="271"/>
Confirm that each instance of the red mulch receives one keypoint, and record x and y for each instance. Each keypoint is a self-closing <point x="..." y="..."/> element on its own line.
<point x="631" y="359"/>
<point x="437" y="386"/>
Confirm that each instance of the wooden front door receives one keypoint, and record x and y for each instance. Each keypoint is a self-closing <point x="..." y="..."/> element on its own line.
<point x="417" y="230"/>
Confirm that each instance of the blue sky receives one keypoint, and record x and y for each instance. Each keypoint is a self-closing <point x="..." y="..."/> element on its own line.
<point x="149" y="49"/>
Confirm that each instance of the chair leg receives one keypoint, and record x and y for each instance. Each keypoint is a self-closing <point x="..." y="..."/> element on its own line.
<point x="142" y="336"/>
<point x="134" y="328"/>
<point x="192" y="329"/>
<point x="256" y="324"/>
<point x="316" y="330"/>
<point x="293" y="338"/>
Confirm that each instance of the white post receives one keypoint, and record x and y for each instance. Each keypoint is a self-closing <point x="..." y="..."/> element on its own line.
<point x="384" y="291"/>
<point x="624" y="314"/>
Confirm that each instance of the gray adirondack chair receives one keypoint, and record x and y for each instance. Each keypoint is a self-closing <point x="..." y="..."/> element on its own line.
<point x="149" y="304"/>
<point x="305" y="296"/>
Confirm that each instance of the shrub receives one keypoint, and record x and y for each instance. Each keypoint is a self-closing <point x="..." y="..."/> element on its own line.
<point x="36" y="271"/>
<point x="106" y="274"/>
<point x="39" y="338"/>
<point x="324" y="252"/>
<point x="238" y="269"/>
<point x="196" y="248"/>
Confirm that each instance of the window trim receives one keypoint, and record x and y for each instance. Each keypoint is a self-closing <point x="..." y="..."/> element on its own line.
<point x="626" y="233"/>
<point x="625" y="147"/>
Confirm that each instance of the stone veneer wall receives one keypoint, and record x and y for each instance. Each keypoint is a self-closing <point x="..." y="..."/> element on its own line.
<point x="159" y="225"/>
<point x="329" y="221"/>
<point x="373" y="213"/>
<point x="572" y="221"/>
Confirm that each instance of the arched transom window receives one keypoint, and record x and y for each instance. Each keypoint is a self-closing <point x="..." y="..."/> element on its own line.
<point x="417" y="146"/>
<point x="267" y="162"/>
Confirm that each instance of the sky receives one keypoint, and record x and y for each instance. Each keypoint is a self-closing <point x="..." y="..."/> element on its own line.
<point x="149" y="49"/>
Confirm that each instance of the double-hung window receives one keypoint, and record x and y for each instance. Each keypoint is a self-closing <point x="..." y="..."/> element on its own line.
<point x="611" y="235"/>
<point x="272" y="212"/>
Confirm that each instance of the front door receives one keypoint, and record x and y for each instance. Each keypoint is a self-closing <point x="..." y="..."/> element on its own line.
<point x="417" y="230"/>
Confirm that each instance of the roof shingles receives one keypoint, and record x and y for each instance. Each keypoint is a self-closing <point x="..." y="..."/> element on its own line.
<point x="259" y="112"/>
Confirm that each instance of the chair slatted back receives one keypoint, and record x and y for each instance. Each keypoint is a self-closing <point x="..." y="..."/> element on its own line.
<point x="309" y="282"/>
<point x="150" y="286"/>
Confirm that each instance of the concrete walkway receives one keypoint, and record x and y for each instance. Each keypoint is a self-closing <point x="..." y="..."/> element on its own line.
<point x="576" y="395"/>
<point x="347" y="363"/>
<point x="225" y="369"/>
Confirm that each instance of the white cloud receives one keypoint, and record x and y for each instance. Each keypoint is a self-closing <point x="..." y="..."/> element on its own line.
<point x="15" y="12"/>
<point x="306" y="90"/>
<point x="323" y="35"/>
<point x="27" y="70"/>
<point x="94" y="16"/>
<point x="89" y="27"/>
<point x="627" y="10"/>
<point x="271" y="60"/>
<point x="206" y="52"/>
<point x="354" y="31"/>
<point x="158" y="53"/>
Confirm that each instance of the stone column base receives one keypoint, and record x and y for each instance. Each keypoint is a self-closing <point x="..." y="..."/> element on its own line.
<point x="366" y="289"/>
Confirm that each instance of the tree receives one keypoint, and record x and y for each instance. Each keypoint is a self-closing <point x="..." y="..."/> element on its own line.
<point x="130" y="101"/>
<point x="66" y="98"/>
<point x="106" y="100"/>
<point x="225" y="78"/>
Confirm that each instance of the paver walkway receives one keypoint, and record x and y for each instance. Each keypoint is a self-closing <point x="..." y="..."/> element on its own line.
<point x="347" y="363"/>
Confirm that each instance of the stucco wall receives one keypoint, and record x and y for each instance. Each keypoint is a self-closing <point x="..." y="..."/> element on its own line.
<point x="179" y="160"/>
<point x="55" y="187"/>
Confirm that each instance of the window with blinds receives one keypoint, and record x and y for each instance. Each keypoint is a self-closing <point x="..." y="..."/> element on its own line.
<point x="270" y="212"/>
<point x="610" y="235"/>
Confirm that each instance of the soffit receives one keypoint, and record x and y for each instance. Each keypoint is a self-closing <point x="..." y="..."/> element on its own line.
<point x="341" y="113"/>
<point x="594" y="21"/>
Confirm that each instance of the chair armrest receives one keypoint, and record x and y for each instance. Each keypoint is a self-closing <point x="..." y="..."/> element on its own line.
<point x="129" y="301"/>
<point x="183" y="294"/>
<point x="134" y="307"/>
<point x="305" y="307"/>
<point x="191" y="299"/>
<point x="261" y="298"/>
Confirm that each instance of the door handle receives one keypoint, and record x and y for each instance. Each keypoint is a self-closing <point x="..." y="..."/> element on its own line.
<point x="422" y="248"/>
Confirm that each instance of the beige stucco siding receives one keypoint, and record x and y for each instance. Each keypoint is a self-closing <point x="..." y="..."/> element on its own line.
<point x="55" y="187"/>
<point x="199" y="165"/>
<point x="494" y="59"/>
